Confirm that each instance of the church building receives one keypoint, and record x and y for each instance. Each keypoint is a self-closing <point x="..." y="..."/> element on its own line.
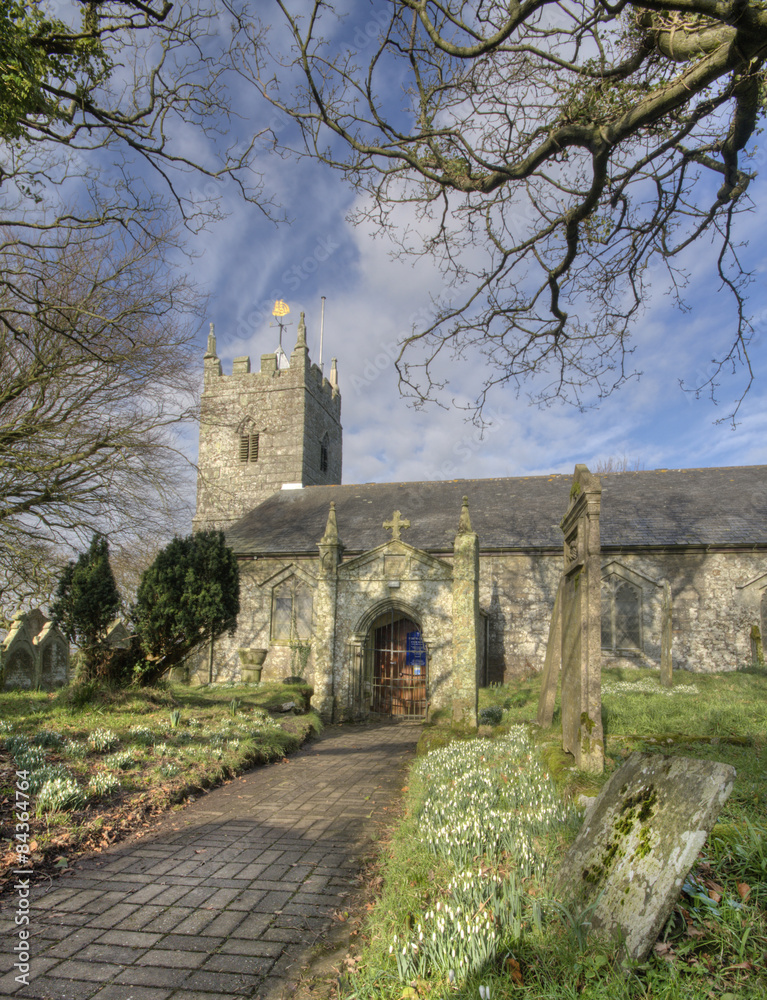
<point x="397" y="599"/>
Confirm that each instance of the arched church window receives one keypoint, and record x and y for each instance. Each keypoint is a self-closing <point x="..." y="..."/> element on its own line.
<point x="291" y="611"/>
<point x="248" y="447"/>
<point x="621" y="615"/>
<point x="324" y="447"/>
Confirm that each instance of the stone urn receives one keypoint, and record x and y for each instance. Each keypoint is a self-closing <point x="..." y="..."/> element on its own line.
<point x="252" y="662"/>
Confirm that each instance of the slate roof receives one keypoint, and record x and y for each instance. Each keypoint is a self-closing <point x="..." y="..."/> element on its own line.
<point x="713" y="507"/>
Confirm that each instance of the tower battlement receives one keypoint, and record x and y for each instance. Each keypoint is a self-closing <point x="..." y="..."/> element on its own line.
<point x="260" y="430"/>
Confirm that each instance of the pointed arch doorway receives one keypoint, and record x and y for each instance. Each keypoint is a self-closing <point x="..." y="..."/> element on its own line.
<point x="396" y="665"/>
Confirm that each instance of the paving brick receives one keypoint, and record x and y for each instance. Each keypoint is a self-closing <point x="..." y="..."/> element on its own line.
<point x="245" y="946"/>
<point x="273" y="901"/>
<point x="146" y="893"/>
<point x="113" y="916"/>
<point x="48" y="987"/>
<point x="189" y="942"/>
<point x="168" y="920"/>
<point x="38" y="966"/>
<point x="109" y="953"/>
<point x="74" y="941"/>
<point x="287" y="935"/>
<point x="175" y="959"/>
<point x="117" y="992"/>
<point x="224" y="923"/>
<point x="225" y="981"/>
<point x="101" y="972"/>
<point x="253" y="965"/>
<point x="152" y="975"/>
<point x="131" y="939"/>
<point x="142" y="917"/>
<point x="253" y="926"/>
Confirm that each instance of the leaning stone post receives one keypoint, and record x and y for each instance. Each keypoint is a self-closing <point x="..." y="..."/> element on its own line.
<point x="582" y="732"/>
<point x="757" y="647"/>
<point x="666" y="637"/>
<point x="324" y="618"/>
<point x="552" y="663"/>
<point x="465" y="619"/>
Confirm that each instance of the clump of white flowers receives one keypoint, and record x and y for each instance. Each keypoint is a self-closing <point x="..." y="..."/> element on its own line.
<point x="141" y="735"/>
<point x="488" y="799"/>
<point x="40" y="774"/>
<point x="646" y="686"/>
<point x="49" y="738"/>
<point x="102" y="740"/>
<point x="120" y="761"/>
<point x="103" y="784"/>
<point x="60" y="795"/>
<point x="493" y="802"/>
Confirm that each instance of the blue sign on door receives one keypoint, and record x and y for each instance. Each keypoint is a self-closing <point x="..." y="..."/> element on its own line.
<point x="415" y="652"/>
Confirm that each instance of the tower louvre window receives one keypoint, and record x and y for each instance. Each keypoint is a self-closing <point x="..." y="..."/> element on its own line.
<point x="248" y="447"/>
<point x="324" y="454"/>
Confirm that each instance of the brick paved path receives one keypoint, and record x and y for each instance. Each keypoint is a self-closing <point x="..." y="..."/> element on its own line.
<point x="225" y="898"/>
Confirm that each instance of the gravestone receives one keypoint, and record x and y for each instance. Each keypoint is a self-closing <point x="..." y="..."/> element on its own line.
<point x="757" y="647"/>
<point x="33" y="654"/>
<point x="763" y="611"/>
<point x="666" y="637"/>
<point x="637" y="844"/>
<point x="581" y="603"/>
<point x="552" y="664"/>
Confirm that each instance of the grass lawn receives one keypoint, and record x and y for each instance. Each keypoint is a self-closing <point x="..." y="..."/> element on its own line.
<point x="462" y="907"/>
<point x="99" y="763"/>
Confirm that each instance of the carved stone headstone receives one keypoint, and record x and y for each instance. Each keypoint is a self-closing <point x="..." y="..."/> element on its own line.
<point x="465" y="618"/>
<point x="757" y="647"/>
<point x="33" y="654"/>
<point x="763" y="611"/>
<point x="552" y="664"/>
<point x="666" y="637"/>
<point x="581" y="596"/>
<point x="638" y="842"/>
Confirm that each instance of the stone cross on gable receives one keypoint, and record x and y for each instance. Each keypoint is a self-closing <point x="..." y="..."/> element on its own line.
<point x="396" y="525"/>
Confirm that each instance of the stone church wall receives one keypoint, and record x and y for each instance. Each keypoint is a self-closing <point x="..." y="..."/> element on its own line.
<point x="253" y="628"/>
<point x="712" y="610"/>
<point x="716" y="600"/>
<point x="516" y="592"/>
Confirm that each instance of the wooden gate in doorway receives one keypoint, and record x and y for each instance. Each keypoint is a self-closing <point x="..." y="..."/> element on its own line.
<point x="399" y="666"/>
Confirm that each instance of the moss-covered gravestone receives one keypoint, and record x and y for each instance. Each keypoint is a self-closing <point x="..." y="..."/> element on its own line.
<point x="640" y="839"/>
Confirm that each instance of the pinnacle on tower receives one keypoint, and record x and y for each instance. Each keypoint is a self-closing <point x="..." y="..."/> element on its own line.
<point x="301" y="342"/>
<point x="211" y="348"/>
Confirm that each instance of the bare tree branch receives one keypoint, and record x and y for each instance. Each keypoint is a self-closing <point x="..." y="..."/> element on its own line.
<point x="557" y="153"/>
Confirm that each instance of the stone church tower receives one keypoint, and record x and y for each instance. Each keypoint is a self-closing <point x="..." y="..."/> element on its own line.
<point x="263" y="431"/>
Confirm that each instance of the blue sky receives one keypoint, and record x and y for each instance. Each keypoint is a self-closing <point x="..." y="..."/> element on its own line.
<point x="372" y="301"/>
